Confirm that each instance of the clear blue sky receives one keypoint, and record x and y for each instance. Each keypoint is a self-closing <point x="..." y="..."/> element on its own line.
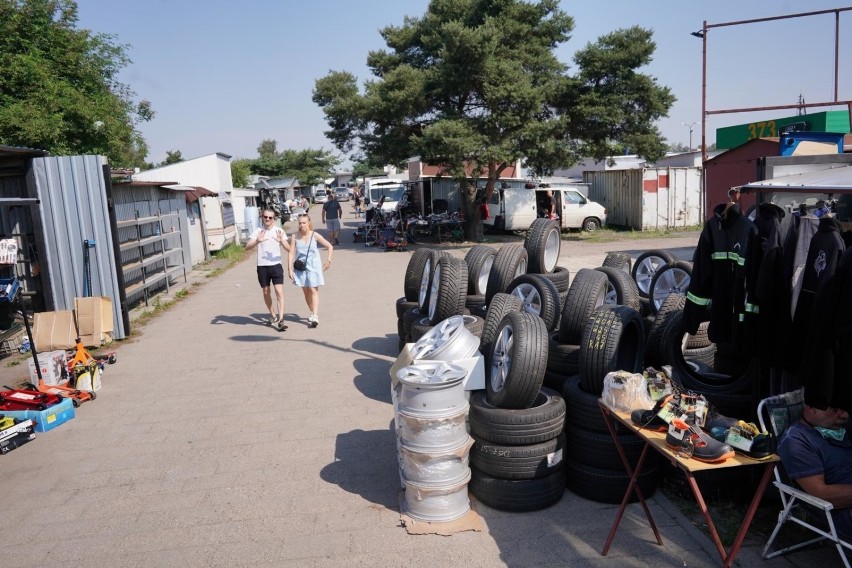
<point x="222" y="76"/>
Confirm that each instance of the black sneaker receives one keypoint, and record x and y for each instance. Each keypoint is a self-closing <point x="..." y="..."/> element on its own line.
<point x="281" y="326"/>
<point x="336" y="242"/>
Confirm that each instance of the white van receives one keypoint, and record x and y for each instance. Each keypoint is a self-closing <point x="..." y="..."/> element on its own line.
<point x="515" y="208"/>
<point x="393" y="190"/>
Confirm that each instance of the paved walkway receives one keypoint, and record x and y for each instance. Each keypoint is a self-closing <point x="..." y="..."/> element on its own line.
<point x="217" y="441"/>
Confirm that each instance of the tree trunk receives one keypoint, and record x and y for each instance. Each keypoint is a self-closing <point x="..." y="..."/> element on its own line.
<point x="473" y="230"/>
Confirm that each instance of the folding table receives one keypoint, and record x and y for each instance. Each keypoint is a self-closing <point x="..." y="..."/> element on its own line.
<point x="657" y="441"/>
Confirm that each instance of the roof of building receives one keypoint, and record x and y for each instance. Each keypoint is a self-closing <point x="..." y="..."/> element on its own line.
<point x="21" y="152"/>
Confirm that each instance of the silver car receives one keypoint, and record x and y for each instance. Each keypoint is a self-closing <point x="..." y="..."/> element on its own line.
<point x="341" y="193"/>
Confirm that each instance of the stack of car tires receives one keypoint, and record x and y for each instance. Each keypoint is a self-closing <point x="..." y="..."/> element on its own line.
<point x="517" y="457"/>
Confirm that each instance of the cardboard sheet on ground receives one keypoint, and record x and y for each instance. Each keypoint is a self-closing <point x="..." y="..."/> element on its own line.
<point x="470" y="521"/>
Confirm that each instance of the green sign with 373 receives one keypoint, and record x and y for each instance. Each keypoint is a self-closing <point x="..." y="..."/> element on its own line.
<point x="829" y="121"/>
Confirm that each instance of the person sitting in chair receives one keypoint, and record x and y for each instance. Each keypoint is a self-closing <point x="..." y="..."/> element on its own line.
<point x="816" y="453"/>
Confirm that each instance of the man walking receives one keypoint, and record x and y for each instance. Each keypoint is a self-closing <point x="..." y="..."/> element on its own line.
<point x="331" y="214"/>
<point x="269" y="239"/>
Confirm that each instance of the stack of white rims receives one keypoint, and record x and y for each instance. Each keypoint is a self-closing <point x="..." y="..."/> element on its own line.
<point x="431" y="421"/>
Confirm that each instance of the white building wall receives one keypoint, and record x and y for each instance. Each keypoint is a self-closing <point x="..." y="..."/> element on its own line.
<point x="211" y="172"/>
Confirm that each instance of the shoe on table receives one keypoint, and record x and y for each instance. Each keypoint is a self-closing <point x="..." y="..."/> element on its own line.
<point x="650" y="419"/>
<point x="705" y="448"/>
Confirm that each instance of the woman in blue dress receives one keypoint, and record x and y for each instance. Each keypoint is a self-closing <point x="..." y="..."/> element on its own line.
<point x="304" y="245"/>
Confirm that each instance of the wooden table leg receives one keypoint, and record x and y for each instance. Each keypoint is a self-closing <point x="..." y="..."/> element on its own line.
<point x="632" y="487"/>
<point x="752" y="509"/>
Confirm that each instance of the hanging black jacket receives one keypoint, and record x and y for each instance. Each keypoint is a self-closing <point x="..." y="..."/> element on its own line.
<point x="767" y="317"/>
<point x="827" y="359"/>
<point x="825" y="250"/>
<point x="717" y="287"/>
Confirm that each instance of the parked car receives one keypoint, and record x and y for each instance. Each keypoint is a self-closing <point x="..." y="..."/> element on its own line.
<point x="341" y="193"/>
<point x="320" y="197"/>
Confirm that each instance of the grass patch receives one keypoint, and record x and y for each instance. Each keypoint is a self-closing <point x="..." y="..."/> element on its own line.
<point x="610" y="234"/>
<point x="233" y="253"/>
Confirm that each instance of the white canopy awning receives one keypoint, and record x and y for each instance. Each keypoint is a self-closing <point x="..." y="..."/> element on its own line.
<point x="830" y="180"/>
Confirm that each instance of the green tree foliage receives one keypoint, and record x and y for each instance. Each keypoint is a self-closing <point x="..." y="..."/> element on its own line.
<point x="172" y="157"/>
<point x="475" y="85"/>
<point x="309" y="166"/>
<point x="240" y="172"/>
<point x="59" y="89"/>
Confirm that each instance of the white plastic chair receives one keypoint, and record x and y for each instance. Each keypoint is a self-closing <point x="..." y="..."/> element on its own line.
<point x="777" y="413"/>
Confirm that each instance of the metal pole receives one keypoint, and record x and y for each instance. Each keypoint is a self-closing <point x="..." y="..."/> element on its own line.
<point x="703" y="190"/>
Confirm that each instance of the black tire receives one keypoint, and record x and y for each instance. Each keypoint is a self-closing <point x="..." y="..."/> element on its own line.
<point x="479" y="260"/>
<point x="598" y="450"/>
<point x="449" y="289"/>
<point x="408" y="320"/>
<point x="619" y="260"/>
<point x="518" y="462"/>
<point x="655" y="349"/>
<point x="561" y="278"/>
<point x="400" y="332"/>
<point x="612" y="341"/>
<point x="554" y="380"/>
<point x="704" y="355"/>
<point x="402" y="306"/>
<point x="646" y="266"/>
<point x="473" y="301"/>
<point x="509" y="263"/>
<point x="500" y="305"/>
<point x="517" y="495"/>
<point x="621" y="289"/>
<point x="562" y="358"/>
<point x="543" y="244"/>
<point x="425" y="285"/>
<point x="708" y="384"/>
<point x="420" y="327"/>
<point x="474" y="324"/>
<point x="608" y="486"/>
<point x="538" y="296"/>
<point x="582" y="409"/>
<point x="517" y="361"/>
<point x="672" y="278"/>
<point x="543" y="421"/>
<point x="700" y="338"/>
<point x="591" y="224"/>
<point x="587" y="292"/>
<point x="414" y="273"/>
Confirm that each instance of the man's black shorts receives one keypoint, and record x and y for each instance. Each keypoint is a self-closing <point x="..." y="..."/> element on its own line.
<point x="270" y="274"/>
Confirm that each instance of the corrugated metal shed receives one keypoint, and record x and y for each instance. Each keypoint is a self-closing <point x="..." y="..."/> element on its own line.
<point x="648" y="198"/>
<point x="73" y="209"/>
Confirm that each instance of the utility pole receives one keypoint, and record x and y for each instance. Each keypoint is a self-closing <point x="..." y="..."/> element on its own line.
<point x="690" y="125"/>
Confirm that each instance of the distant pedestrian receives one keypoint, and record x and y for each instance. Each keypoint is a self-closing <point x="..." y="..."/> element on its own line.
<point x="357" y="204"/>
<point x="304" y="245"/>
<point x="305" y="203"/>
<point x="269" y="239"/>
<point x="331" y="214"/>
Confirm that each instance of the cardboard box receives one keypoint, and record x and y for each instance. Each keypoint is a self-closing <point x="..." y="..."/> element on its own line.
<point x="46" y="419"/>
<point x="54" y="330"/>
<point x="94" y="320"/>
<point x="54" y="366"/>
